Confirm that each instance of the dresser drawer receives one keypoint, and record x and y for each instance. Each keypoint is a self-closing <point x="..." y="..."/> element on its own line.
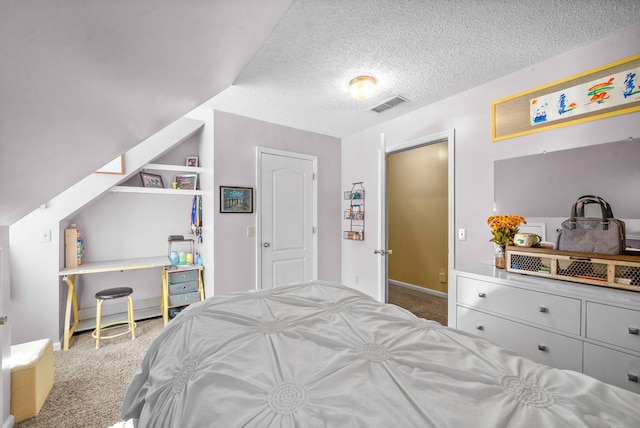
<point x="184" y="299"/>
<point x="614" y="325"/>
<point x="538" y="345"/>
<point x="548" y="310"/>
<point x="183" y="287"/>
<point x="183" y="276"/>
<point x="611" y="366"/>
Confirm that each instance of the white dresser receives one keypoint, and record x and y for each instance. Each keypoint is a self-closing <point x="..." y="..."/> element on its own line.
<point x="586" y="328"/>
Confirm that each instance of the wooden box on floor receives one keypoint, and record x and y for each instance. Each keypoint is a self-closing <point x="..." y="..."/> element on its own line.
<point x="32" y="376"/>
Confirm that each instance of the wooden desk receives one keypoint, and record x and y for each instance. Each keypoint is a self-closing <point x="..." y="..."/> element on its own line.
<point x="69" y="277"/>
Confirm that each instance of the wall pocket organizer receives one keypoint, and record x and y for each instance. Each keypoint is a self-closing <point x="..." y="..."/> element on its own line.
<point x="354" y="212"/>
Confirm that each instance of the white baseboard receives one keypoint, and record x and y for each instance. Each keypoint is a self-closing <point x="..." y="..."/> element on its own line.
<point x="120" y="307"/>
<point x="9" y="422"/>
<point x="418" y="288"/>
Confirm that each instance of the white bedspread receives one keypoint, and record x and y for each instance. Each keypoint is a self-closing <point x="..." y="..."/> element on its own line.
<point x="323" y="355"/>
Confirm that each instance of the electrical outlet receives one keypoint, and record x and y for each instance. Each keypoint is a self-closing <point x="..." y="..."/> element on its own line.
<point x="45" y="235"/>
<point x="462" y="234"/>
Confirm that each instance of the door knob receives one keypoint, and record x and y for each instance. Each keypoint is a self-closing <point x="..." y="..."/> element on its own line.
<point x="383" y="252"/>
<point x="266" y="245"/>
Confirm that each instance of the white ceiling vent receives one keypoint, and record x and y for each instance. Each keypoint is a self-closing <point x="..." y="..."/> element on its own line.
<point x="389" y="103"/>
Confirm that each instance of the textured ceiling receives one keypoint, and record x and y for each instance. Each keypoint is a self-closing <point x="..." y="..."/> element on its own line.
<point x="422" y="50"/>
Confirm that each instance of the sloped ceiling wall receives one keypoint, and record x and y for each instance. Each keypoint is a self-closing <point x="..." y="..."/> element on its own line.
<point x="82" y="81"/>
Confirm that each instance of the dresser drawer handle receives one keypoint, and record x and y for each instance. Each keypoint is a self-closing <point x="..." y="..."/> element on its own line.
<point x="542" y="348"/>
<point x="542" y="309"/>
<point x="479" y="327"/>
<point x="632" y="377"/>
<point x="634" y="330"/>
<point x="481" y="294"/>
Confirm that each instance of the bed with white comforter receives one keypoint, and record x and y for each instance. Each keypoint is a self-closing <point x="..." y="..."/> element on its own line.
<point x="320" y="354"/>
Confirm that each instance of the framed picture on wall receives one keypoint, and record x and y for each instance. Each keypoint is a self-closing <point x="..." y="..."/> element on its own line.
<point x="151" y="180"/>
<point x="236" y="199"/>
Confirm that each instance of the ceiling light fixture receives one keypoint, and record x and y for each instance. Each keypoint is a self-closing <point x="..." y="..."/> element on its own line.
<point x="362" y="87"/>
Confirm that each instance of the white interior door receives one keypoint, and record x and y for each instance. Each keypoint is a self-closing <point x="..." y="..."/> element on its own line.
<point x="287" y="215"/>
<point x="382" y="250"/>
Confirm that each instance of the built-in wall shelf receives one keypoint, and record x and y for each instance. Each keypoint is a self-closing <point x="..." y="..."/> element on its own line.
<point x="156" y="191"/>
<point x="164" y="191"/>
<point x="179" y="168"/>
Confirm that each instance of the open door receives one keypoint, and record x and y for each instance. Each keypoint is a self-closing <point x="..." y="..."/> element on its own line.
<point x="382" y="251"/>
<point x="383" y="282"/>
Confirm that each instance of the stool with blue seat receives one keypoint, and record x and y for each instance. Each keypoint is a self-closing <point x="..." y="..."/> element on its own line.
<point x="111" y="294"/>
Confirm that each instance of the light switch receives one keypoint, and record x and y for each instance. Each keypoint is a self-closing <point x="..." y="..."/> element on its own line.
<point x="251" y="231"/>
<point x="462" y="234"/>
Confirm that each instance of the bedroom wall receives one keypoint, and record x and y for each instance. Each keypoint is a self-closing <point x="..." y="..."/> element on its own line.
<point x="235" y="141"/>
<point x="469" y="114"/>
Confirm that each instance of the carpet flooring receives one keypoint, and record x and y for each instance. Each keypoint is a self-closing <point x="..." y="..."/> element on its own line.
<point x="90" y="383"/>
<point x="422" y="304"/>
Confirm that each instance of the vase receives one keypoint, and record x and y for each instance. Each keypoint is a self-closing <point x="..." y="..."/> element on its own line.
<point x="500" y="257"/>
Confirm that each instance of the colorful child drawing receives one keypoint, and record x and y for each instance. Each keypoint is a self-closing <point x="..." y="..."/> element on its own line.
<point x="630" y="86"/>
<point x="562" y="105"/>
<point x="598" y="92"/>
<point x="603" y="93"/>
<point x="540" y="112"/>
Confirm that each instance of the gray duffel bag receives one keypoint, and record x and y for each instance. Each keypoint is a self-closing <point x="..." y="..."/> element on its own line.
<point x="601" y="235"/>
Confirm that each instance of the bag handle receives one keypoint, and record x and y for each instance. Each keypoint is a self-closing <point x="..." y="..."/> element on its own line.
<point x="590" y="199"/>
<point x="579" y="206"/>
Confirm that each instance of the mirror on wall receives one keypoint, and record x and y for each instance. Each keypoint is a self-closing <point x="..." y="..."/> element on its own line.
<point x="547" y="184"/>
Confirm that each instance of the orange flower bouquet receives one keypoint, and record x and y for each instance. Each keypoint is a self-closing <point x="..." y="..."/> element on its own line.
<point x="503" y="228"/>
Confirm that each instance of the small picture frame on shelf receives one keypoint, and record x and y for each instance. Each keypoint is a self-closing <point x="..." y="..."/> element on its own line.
<point x="236" y="199"/>
<point x="192" y="161"/>
<point x="151" y="180"/>
<point x="186" y="181"/>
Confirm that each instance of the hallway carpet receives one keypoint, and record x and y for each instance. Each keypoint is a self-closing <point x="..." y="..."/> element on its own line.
<point x="423" y="305"/>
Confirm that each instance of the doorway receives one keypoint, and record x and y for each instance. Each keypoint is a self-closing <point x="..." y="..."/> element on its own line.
<point x="445" y="223"/>
<point x="286" y="207"/>
<point x="417" y="216"/>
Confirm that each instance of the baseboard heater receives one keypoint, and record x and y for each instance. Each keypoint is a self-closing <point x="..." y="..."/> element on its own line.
<point x="143" y="309"/>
